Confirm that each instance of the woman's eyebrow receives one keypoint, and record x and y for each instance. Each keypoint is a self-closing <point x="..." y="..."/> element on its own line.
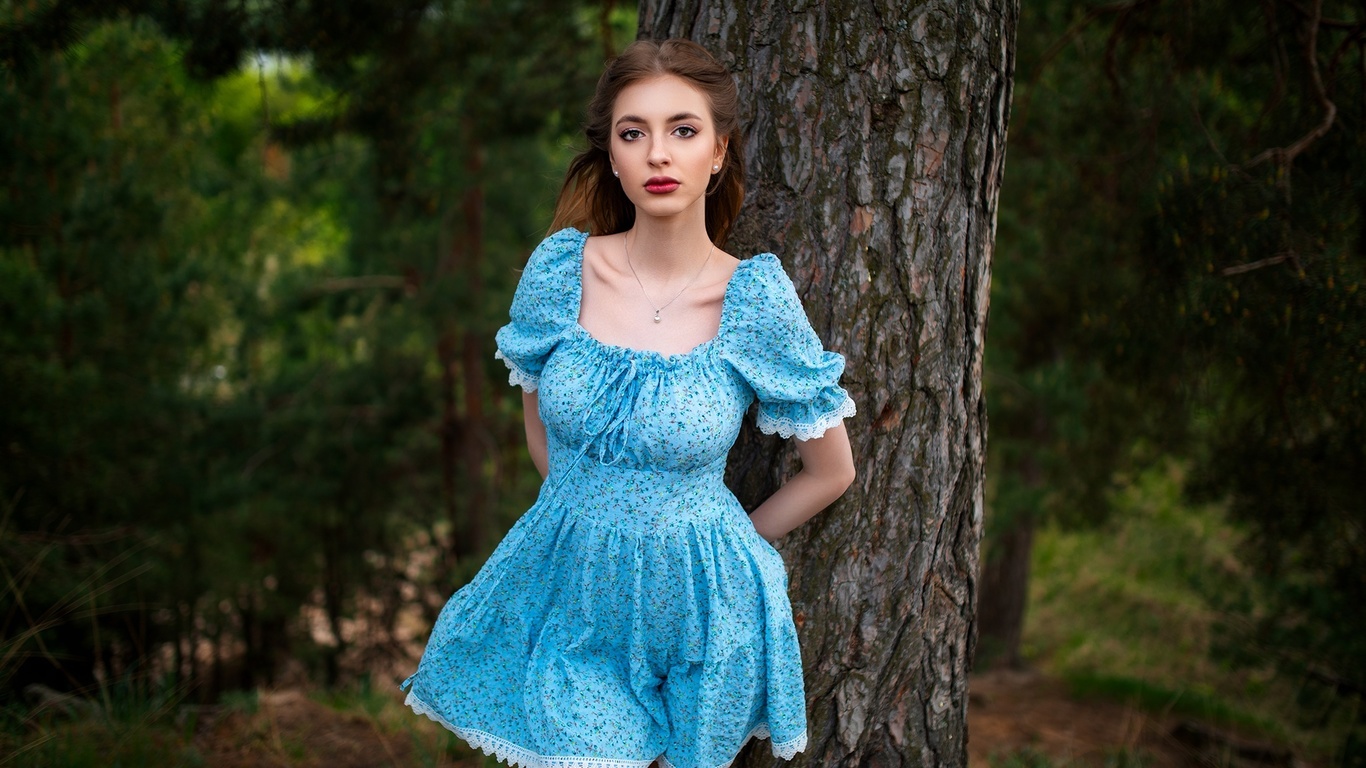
<point x="674" y="119"/>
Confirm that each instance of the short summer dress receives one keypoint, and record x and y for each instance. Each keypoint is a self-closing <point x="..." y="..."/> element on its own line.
<point x="634" y="612"/>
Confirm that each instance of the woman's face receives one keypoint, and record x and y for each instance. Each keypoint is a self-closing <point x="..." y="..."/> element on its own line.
<point x="664" y="145"/>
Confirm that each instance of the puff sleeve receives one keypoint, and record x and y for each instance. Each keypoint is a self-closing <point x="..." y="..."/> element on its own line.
<point x="543" y="307"/>
<point x="774" y="348"/>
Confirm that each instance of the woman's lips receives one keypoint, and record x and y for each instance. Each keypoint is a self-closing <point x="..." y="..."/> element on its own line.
<point x="661" y="185"/>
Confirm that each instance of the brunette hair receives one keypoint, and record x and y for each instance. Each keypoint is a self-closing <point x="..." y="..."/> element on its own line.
<point x="592" y="200"/>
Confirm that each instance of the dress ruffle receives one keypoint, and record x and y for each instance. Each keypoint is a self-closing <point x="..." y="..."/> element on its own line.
<point x="511" y="754"/>
<point x="771" y="344"/>
<point x="541" y="308"/>
<point x="516" y="376"/>
<point x="785" y="426"/>
<point x="622" y="601"/>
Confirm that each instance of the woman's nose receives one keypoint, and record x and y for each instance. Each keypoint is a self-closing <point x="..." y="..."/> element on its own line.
<point x="659" y="153"/>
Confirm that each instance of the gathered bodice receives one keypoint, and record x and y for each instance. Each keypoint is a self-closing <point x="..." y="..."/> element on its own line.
<point x="639" y="408"/>
<point x="645" y="410"/>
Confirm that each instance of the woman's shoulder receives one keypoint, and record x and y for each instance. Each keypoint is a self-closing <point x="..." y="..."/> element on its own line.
<point x="770" y="342"/>
<point x="761" y="285"/>
<point x="558" y="249"/>
<point x="763" y="312"/>
<point x="551" y="272"/>
<point x="548" y="286"/>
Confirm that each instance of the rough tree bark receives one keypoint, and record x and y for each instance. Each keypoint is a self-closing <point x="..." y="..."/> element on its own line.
<point x="875" y="135"/>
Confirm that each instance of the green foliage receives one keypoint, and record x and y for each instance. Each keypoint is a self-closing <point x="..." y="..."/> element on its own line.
<point x="1178" y="273"/>
<point x="1136" y="593"/>
<point x="252" y="413"/>
<point x="88" y="745"/>
<point x="1135" y="610"/>
<point x="103" y="275"/>
<point x="247" y="702"/>
<point x="124" y="727"/>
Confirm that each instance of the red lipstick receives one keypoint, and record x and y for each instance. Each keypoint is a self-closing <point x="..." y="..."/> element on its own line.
<point x="661" y="185"/>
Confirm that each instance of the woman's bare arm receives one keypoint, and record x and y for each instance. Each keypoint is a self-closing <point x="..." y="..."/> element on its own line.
<point x="535" y="431"/>
<point x="827" y="472"/>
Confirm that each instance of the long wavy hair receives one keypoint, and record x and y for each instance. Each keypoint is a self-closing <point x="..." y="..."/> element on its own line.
<point x="591" y="199"/>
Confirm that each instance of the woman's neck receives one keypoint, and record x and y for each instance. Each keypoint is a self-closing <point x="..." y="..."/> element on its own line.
<point x="666" y="249"/>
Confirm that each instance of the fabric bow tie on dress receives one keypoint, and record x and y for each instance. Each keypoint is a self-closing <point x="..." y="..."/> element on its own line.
<point x="606" y="422"/>
<point x="611" y="408"/>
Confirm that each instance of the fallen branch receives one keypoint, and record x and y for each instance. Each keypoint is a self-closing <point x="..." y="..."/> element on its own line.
<point x="1215" y="744"/>
<point x="1251" y="265"/>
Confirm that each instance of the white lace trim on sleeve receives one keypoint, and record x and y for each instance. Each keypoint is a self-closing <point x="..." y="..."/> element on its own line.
<point x="518" y="377"/>
<point x="785" y="427"/>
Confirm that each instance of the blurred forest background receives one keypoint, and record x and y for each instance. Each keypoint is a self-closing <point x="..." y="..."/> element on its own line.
<point x="252" y="256"/>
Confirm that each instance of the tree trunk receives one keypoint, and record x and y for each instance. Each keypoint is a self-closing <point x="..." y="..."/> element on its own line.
<point x="475" y="449"/>
<point x="875" y="134"/>
<point x="1009" y="551"/>
<point x="465" y="434"/>
<point x="446" y="350"/>
<point x="1005" y="593"/>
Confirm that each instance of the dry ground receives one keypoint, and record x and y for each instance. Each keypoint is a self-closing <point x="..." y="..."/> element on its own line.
<point x="290" y="730"/>
<point x="1009" y="712"/>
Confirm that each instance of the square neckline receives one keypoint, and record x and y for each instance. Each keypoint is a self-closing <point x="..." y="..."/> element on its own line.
<point x="697" y="350"/>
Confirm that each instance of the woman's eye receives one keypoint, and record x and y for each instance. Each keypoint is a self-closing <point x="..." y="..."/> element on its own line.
<point x="686" y="131"/>
<point x="631" y="134"/>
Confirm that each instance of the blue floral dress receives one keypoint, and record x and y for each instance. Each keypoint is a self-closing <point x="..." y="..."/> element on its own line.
<point x="633" y="612"/>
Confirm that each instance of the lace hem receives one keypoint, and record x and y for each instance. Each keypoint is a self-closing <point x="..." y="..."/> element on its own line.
<point x="507" y="752"/>
<point x="511" y="754"/>
<point x="785" y="750"/>
<point x="518" y="377"/>
<point x="785" y="427"/>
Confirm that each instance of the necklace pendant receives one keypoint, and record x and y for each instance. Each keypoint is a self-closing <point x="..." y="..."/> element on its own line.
<point x="656" y="315"/>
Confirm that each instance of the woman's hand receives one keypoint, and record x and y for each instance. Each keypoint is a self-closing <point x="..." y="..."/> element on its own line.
<point x="827" y="472"/>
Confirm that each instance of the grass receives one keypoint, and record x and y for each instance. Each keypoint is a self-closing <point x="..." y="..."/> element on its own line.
<point x="1207" y="708"/>
<point x="82" y="745"/>
<point x="283" y="729"/>
<point x="431" y="744"/>
<point x="127" y="740"/>
<point x="1128" y="611"/>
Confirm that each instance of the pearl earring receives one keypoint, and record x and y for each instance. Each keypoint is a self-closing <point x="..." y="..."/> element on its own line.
<point x="715" y="168"/>
<point x="614" y="173"/>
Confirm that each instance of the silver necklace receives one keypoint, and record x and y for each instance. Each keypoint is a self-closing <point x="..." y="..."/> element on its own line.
<point x="642" y="285"/>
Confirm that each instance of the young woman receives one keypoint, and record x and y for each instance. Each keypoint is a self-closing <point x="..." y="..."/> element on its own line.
<point x="636" y="613"/>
